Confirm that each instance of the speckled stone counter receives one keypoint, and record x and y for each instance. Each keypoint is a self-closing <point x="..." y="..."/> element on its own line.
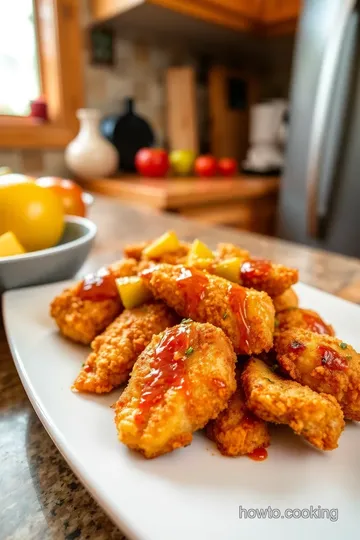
<point x="40" y="498"/>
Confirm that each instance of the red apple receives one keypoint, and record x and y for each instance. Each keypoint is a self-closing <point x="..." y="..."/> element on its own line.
<point x="227" y="166"/>
<point x="205" y="166"/>
<point x="152" y="162"/>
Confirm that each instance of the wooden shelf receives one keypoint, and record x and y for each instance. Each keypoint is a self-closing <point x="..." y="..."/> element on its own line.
<point x="176" y="193"/>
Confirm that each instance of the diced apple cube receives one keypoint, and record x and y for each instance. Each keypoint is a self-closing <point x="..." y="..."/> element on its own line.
<point x="166" y="243"/>
<point x="132" y="291"/>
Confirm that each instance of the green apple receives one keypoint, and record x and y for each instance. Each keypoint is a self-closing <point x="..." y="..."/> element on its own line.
<point x="182" y="161"/>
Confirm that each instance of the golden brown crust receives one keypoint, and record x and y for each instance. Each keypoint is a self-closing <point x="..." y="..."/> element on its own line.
<point x="317" y="417"/>
<point x="228" y="251"/>
<point x="116" y="350"/>
<point x="214" y="307"/>
<point x="286" y="300"/>
<point x="306" y="319"/>
<point x="308" y="363"/>
<point x="236" y="431"/>
<point x="273" y="278"/>
<point x="207" y="384"/>
<point x="82" y="320"/>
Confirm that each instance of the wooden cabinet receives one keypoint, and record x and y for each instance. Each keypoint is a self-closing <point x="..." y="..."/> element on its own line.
<point x="243" y="15"/>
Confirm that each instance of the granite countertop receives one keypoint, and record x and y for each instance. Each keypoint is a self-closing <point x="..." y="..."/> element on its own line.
<point x="40" y="498"/>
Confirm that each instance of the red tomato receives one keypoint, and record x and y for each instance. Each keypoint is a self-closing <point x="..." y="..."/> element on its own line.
<point x="152" y="162"/>
<point x="69" y="192"/>
<point x="205" y="166"/>
<point x="227" y="166"/>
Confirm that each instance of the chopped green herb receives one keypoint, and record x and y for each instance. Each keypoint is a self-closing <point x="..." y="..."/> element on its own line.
<point x="83" y="364"/>
<point x="274" y="367"/>
<point x="189" y="351"/>
<point x="343" y="345"/>
<point x="277" y="323"/>
<point x="267" y="379"/>
<point x="225" y="316"/>
<point x="348" y="357"/>
<point x="186" y="321"/>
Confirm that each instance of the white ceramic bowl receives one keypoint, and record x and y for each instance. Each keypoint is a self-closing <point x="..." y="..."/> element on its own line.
<point x="54" y="264"/>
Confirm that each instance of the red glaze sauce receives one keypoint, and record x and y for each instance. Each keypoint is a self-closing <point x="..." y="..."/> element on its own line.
<point x="193" y="283"/>
<point x="98" y="286"/>
<point x="87" y="368"/>
<point x="237" y="301"/>
<point x="259" y="454"/>
<point x="297" y="346"/>
<point x="253" y="269"/>
<point x="332" y="359"/>
<point x="315" y="323"/>
<point x="167" y="369"/>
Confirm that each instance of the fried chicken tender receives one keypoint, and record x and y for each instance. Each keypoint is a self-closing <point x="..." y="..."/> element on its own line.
<point x="286" y="300"/>
<point x="317" y="417"/>
<point x="246" y="316"/>
<point x="228" y="251"/>
<point x="116" y="350"/>
<point x="135" y="251"/>
<point x="302" y="318"/>
<point x="266" y="276"/>
<point x="324" y="363"/>
<point x="82" y="320"/>
<point x="183" y="378"/>
<point x="236" y="431"/>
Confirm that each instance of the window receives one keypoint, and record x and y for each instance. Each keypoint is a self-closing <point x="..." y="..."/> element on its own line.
<point x="18" y="57"/>
<point x="40" y="54"/>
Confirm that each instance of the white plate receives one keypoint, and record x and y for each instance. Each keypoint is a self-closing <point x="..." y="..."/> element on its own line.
<point x="193" y="493"/>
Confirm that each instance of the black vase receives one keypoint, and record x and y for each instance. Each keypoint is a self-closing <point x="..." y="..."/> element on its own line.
<point x="128" y="132"/>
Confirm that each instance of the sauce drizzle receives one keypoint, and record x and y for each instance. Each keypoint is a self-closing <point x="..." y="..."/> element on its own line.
<point x="167" y="369"/>
<point x="332" y="359"/>
<point x="259" y="454"/>
<point x="98" y="286"/>
<point x="237" y="301"/>
<point x="254" y="269"/>
<point x="315" y="323"/>
<point x="193" y="283"/>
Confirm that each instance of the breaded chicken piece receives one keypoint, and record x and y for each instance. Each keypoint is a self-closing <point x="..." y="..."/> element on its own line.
<point x="324" y="363"/>
<point x="183" y="378"/>
<point x="286" y="300"/>
<point x="246" y="316"/>
<point x="306" y="319"/>
<point x="116" y="350"/>
<point x="135" y="251"/>
<point x="229" y="251"/>
<point x="266" y="276"/>
<point x="317" y="417"/>
<point x="81" y="320"/>
<point x="236" y="431"/>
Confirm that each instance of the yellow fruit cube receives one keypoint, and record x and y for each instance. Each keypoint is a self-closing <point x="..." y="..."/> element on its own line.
<point x="166" y="243"/>
<point x="229" y="269"/>
<point x="132" y="291"/>
<point x="10" y="245"/>
<point x="199" y="250"/>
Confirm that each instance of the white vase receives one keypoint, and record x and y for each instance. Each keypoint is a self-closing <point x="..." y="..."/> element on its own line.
<point x="89" y="155"/>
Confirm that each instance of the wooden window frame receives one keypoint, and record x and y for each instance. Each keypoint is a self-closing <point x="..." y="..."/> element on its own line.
<point x="60" y="48"/>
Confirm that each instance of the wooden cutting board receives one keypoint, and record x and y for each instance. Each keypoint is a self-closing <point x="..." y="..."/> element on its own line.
<point x="182" y="121"/>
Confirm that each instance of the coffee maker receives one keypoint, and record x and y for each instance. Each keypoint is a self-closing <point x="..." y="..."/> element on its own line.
<point x="268" y="134"/>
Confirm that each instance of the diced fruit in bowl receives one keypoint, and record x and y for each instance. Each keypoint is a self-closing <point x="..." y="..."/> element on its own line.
<point x="229" y="269"/>
<point x="69" y="192"/>
<point x="227" y="166"/>
<point x="152" y="162"/>
<point x="166" y="243"/>
<point x="132" y="291"/>
<point x="34" y="214"/>
<point x="205" y="166"/>
<point x="182" y="161"/>
<point x="10" y="245"/>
